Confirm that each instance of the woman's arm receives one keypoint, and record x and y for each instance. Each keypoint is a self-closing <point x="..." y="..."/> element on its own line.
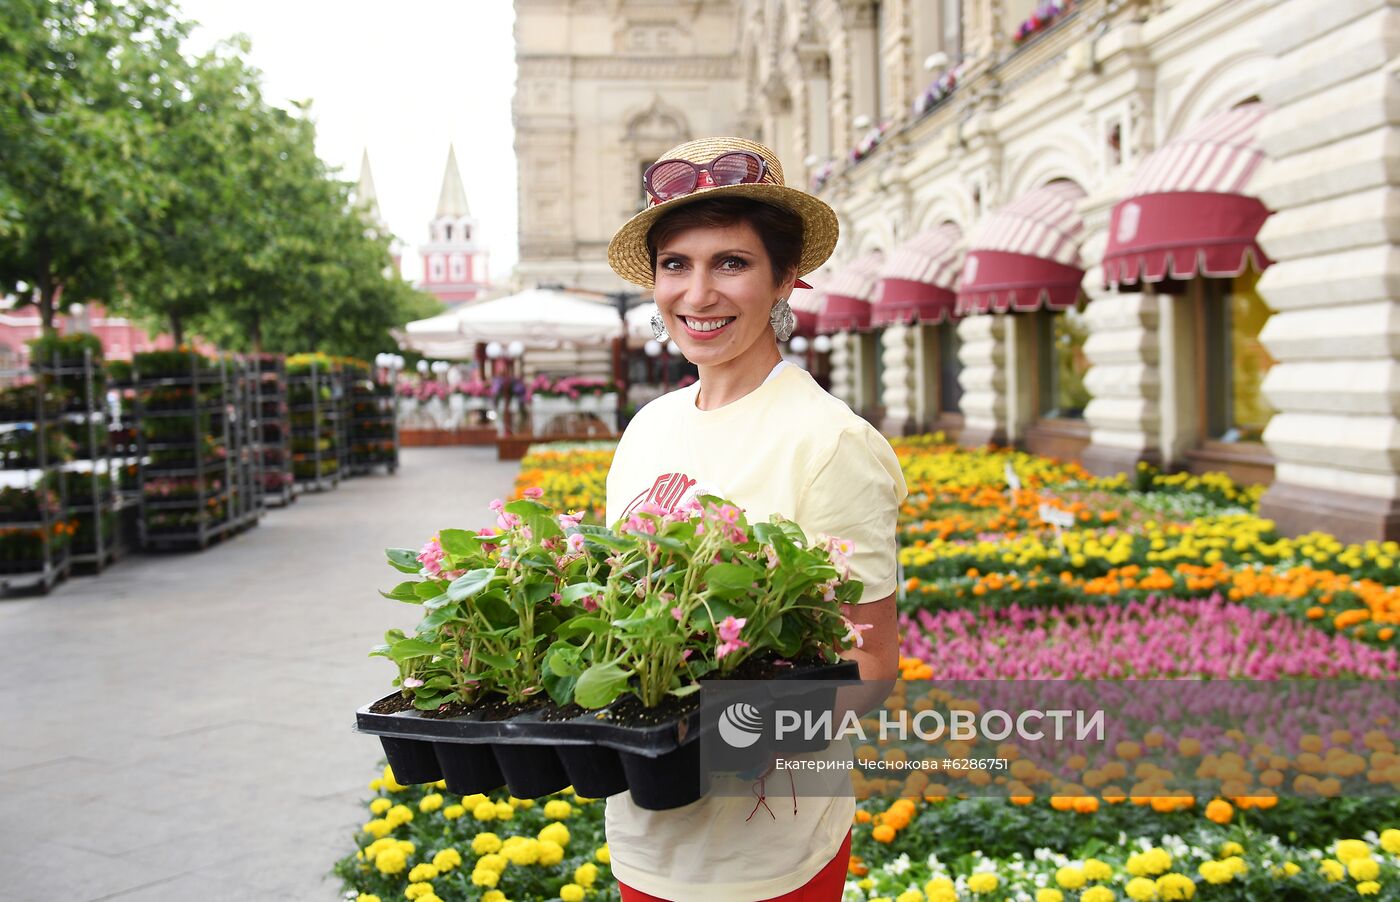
<point x="878" y="652"/>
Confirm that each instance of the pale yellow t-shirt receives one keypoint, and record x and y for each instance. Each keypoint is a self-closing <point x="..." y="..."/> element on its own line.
<point x="787" y="447"/>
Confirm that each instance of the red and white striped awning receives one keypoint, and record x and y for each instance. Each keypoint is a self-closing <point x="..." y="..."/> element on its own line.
<point x="919" y="281"/>
<point x="849" y="293"/>
<point x="1187" y="211"/>
<point x="1026" y="255"/>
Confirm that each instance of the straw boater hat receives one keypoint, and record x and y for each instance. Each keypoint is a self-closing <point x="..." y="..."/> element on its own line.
<point x="627" y="253"/>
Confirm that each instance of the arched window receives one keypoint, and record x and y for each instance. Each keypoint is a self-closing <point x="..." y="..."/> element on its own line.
<point x="1232" y="314"/>
<point x="1061" y="364"/>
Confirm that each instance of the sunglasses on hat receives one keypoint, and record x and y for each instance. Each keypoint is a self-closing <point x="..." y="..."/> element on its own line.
<point x="668" y="179"/>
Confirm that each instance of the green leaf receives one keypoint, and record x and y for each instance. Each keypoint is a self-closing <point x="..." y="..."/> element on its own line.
<point x="683" y="691"/>
<point x="406" y="591"/>
<point x="405" y="560"/>
<point x="563" y="659"/>
<point x="560" y="688"/>
<point x="500" y="662"/>
<point x="432" y="701"/>
<point x="582" y="626"/>
<point x="458" y="542"/>
<point x="601" y="684"/>
<point x="730" y="578"/>
<point x="439" y="617"/>
<point x="577" y="591"/>
<point x="524" y="507"/>
<point x="406" y="649"/>
<point x="430" y="589"/>
<point x="471" y="583"/>
<point x="379" y="651"/>
<point x="608" y="540"/>
<point x="493" y="607"/>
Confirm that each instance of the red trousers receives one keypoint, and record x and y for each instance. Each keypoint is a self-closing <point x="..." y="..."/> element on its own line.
<point x="826" y="886"/>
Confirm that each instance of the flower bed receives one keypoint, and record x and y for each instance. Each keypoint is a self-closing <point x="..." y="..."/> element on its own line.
<point x="422" y="844"/>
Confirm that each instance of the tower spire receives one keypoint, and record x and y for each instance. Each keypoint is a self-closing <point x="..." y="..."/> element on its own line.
<point x="452" y="200"/>
<point x="365" y="195"/>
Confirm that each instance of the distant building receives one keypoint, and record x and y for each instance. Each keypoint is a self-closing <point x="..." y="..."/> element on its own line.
<point x="121" y="338"/>
<point x="368" y="198"/>
<point x="454" y="261"/>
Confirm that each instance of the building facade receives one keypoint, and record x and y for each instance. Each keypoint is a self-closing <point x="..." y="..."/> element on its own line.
<point x="1138" y="230"/>
<point x="454" y="260"/>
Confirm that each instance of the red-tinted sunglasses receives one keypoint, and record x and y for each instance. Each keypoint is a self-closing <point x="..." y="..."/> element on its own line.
<point x="667" y="179"/>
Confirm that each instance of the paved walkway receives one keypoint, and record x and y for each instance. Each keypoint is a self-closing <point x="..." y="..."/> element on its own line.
<point x="179" y="727"/>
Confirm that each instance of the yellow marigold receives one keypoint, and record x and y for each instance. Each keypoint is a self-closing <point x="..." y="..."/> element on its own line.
<point x="452" y="812"/>
<point x="883" y="833"/>
<point x="1149" y="863"/>
<point x="494" y="895"/>
<point x="1049" y="894"/>
<point x="555" y="832"/>
<point x="1368" y="888"/>
<point x="1290" y="868"/>
<point x="422" y="873"/>
<point x="585" y="874"/>
<point x="1216" y="872"/>
<point x="910" y="895"/>
<point x="551" y="853"/>
<point x="367" y="897"/>
<point x="470" y="802"/>
<point x="1141" y="889"/>
<point x="484" y="811"/>
<point x="417" y="890"/>
<point x="447" y="859"/>
<point x="1071" y="877"/>
<point x="430" y="803"/>
<point x="1230" y="847"/>
<point x="557" y="809"/>
<point x="390" y="783"/>
<point x="1098" y="870"/>
<point x="1390" y="841"/>
<point x="571" y="892"/>
<point x="378" y="828"/>
<point x="399" y="814"/>
<point x="1097" y="894"/>
<point x="1220" y="811"/>
<point x="491" y="862"/>
<point x="380" y="805"/>
<point x="485" y="877"/>
<point x="983" y="882"/>
<point x="1174" y="887"/>
<point x="391" y="861"/>
<point x="504" y="811"/>
<point x="1364" y="868"/>
<point x="520" y="850"/>
<point x="376" y="784"/>
<point x="1347" y="849"/>
<point x="486" y="843"/>
<point x="1332" y="869"/>
<point x="604" y="854"/>
<point x="939" y="885"/>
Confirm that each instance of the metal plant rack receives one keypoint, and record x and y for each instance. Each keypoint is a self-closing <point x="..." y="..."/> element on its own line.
<point x="207" y="456"/>
<point x="316" y="428"/>
<point x="245" y="451"/>
<point x="44" y="419"/>
<point x="274" y="429"/>
<point x="92" y="485"/>
<point x="374" y="433"/>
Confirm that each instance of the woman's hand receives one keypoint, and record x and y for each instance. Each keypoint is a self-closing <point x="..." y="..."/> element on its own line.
<point x="878" y="651"/>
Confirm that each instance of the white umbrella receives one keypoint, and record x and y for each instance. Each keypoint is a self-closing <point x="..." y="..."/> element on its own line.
<point x="541" y="318"/>
<point x="639" y="325"/>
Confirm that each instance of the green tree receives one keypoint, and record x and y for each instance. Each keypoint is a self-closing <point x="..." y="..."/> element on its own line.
<point x="72" y="133"/>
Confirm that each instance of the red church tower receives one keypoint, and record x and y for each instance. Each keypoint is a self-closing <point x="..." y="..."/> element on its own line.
<point x="454" y="263"/>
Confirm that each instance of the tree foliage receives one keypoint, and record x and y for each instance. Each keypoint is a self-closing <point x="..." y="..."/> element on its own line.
<point x="166" y="186"/>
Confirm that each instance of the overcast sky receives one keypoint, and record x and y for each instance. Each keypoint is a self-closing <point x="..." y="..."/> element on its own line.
<point x="402" y="79"/>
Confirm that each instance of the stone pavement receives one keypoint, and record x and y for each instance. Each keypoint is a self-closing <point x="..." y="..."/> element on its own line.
<point x="179" y="727"/>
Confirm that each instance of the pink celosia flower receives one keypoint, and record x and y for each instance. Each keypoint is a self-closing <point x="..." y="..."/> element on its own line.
<point x="533" y="493"/>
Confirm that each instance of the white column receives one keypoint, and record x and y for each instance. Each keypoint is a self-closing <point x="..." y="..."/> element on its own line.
<point x="983" y="379"/>
<point x="1335" y="285"/>
<point x="1123" y="381"/>
<point x="843" y="383"/>
<point x="897" y="378"/>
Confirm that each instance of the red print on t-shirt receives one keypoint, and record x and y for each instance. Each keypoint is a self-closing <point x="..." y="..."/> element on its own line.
<point x="666" y="492"/>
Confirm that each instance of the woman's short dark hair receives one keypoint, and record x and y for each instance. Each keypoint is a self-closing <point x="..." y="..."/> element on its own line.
<point x="779" y="229"/>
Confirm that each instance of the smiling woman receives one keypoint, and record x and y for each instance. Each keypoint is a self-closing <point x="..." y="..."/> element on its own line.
<point x="723" y="244"/>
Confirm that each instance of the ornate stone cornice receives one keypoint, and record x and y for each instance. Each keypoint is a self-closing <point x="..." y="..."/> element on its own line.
<point x="632" y="68"/>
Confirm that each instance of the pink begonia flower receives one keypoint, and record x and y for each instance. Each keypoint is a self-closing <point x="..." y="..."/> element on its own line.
<point x="685" y="655"/>
<point x="639" y="525"/>
<point x="570" y="520"/>
<point x="727" y="647"/>
<point x="730" y="626"/>
<point x="575" y="542"/>
<point x="727" y="514"/>
<point x="677" y="613"/>
<point x="411" y="683"/>
<point x="589" y="603"/>
<point x="487" y="546"/>
<point x="430" y="556"/>
<point x="507" y="521"/>
<point x="737" y="536"/>
<point x="828" y="590"/>
<point x="533" y="493"/>
<point x="497" y="505"/>
<point x="772" y="556"/>
<point x="853" y="632"/>
<point x="555" y="597"/>
<point x="526" y="534"/>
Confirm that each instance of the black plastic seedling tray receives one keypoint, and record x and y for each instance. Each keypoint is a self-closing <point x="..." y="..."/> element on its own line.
<point x="659" y="763"/>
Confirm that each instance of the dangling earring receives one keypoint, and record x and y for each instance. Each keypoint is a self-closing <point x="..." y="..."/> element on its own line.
<point x="782" y="319"/>
<point x="658" y="325"/>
